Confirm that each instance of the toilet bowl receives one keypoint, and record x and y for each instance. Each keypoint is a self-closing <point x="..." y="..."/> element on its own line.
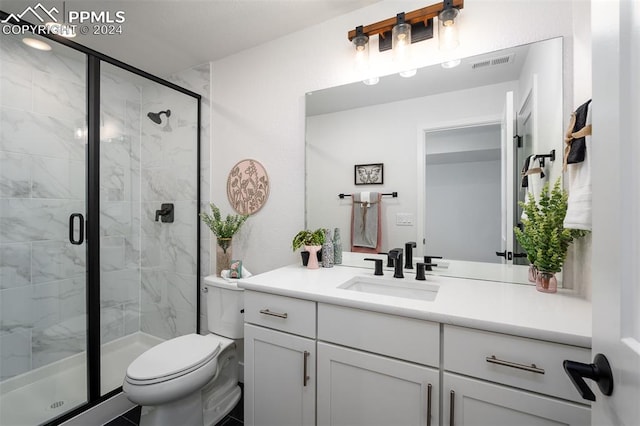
<point x="192" y="379"/>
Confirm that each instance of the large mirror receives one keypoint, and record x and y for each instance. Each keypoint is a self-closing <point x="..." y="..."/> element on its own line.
<point x="452" y="142"/>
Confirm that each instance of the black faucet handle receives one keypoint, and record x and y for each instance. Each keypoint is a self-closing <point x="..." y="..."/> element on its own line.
<point x="420" y="267"/>
<point x="428" y="260"/>
<point x="377" y="265"/>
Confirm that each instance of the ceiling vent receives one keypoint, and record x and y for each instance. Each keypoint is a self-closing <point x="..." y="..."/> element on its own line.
<point x="493" y="62"/>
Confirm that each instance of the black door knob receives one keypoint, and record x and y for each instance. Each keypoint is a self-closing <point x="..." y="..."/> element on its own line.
<point x="599" y="372"/>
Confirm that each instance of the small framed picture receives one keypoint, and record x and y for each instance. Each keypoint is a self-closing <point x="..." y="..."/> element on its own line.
<point x="368" y="174"/>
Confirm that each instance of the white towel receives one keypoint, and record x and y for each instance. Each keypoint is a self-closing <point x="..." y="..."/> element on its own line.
<point x="536" y="178"/>
<point x="579" y="204"/>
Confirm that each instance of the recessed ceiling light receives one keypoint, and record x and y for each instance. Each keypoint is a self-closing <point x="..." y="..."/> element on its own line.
<point x="36" y="44"/>
<point x="408" y="73"/>
<point x="371" y="81"/>
<point x="450" y="64"/>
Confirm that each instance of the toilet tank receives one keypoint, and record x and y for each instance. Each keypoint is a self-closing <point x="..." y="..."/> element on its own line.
<point x="225" y="305"/>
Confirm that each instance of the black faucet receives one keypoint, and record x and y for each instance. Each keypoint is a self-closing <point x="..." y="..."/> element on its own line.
<point x="378" y="265"/>
<point x="429" y="264"/>
<point x="408" y="250"/>
<point x="396" y="255"/>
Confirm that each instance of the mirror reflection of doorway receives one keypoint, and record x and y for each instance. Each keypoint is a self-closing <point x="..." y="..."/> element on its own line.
<point x="524" y="148"/>
<point x="463" y="193"/>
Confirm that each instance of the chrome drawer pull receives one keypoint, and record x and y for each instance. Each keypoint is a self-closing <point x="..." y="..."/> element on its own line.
<point x="532" y="368"/>
<point x="273" y="314"/>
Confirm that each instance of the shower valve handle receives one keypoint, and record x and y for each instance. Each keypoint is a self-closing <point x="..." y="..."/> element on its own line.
<point x="165" y="212"/>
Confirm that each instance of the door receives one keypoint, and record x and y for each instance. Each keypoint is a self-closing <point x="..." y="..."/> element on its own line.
<point x="475" y="402"/>
<point x="279" y="378"/>
<point x="616" y="188"/>
<point x="43" y="250"/>
<point x="508" y="180"/>
<point x="361" y="389"/>
<point x="523" y="148"/>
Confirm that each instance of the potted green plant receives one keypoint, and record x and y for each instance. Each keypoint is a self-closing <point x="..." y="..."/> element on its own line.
<point x="544" y="237"/>
<point x="312" y="242"/>
<point x="224" y="230"/>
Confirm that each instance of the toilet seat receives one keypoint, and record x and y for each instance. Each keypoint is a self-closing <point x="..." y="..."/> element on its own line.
<point x="175" y="358"/>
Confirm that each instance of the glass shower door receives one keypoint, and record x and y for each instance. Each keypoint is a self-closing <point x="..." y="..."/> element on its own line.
<point x="43" y="262"/>
<point x="148" y="217"/>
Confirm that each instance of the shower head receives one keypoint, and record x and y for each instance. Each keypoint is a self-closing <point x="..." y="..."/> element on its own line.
<point x="155" y="116"/>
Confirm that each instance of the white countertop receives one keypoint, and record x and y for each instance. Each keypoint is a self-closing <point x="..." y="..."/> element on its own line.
<point x="517" y="309"/>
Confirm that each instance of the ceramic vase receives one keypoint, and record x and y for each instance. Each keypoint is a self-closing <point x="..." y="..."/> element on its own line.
<point x="223" y="254"/>
<point x="327" y="250"/>
<point x="546" y="282"/>
<point x="337" y="247"/>
<point x="313" y="256"/>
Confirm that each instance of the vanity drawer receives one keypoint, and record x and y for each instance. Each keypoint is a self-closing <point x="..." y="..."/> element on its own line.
<point x="399" y="337"/>
<point x="287" y="314"/>
<point x="524" y="363"/>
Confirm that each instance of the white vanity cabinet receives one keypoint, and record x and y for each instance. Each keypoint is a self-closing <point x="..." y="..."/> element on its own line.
<point x="372" y="369"/>
<point x="280" y="360"/>
<point x="497" y="379"/>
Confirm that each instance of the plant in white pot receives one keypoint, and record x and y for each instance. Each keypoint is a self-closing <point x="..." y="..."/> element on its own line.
<point x="544" y="237"/>
<point x="224" y="230"/>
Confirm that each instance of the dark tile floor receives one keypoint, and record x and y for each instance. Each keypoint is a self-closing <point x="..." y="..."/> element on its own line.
<point x="132" y="417"/>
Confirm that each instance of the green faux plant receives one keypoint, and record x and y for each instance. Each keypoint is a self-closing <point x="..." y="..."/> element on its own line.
<point x="223" y="229"/>
<point x="544" y="237"/>
<point x="308" y="238"/>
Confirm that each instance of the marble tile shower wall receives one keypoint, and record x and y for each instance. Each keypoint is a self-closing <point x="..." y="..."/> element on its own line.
<point x="197" y="79"/>
<point x="42" y="168"/>
<point x="168" y="175"/>
<point x="120" y="146"/>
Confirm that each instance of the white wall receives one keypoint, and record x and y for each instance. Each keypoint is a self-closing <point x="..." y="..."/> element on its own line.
<point x="543" y="65"/>
<point x="258" y="100"/>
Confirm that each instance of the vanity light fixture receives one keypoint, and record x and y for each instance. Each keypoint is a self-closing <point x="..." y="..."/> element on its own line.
<point x="361" y="42"/>
<point x="447" y="29"/>
<point x="420" y="21"/>
<point x="401" y="39"/>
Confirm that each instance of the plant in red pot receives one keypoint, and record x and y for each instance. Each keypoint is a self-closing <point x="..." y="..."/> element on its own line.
<point x="544" y="237"/>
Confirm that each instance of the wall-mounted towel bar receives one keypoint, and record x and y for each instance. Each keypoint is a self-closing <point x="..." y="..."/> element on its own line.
<point x="551" y="156"/>
<point x="390" y="194"/>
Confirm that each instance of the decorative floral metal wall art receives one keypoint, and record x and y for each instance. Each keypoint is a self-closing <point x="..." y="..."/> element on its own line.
<point x="247" y="186"/>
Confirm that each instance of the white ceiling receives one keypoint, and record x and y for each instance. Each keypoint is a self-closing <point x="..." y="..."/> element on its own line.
<point x="165" y="36"/>
<point x="428" y="81"/>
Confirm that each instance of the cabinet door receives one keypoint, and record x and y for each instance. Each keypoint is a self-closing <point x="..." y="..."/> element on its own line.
<point x="277" y="390"/>
<point x="357" y="388"/>
<point x="476" y="402"/>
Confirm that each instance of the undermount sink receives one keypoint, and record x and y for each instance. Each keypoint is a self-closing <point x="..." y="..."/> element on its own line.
<point x="405" y="288"/>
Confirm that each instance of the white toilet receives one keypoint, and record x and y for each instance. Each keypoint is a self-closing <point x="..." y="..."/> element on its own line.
<point x="192" y="379"/>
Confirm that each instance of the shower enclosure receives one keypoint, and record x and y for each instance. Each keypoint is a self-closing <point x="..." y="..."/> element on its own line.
<point x="99" y="230"/>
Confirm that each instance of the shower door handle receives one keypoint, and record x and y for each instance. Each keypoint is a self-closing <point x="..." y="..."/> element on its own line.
<point x="72" y="222"/>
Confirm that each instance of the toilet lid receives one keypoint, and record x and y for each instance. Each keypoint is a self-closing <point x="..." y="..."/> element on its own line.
<point x="174" y="356"/>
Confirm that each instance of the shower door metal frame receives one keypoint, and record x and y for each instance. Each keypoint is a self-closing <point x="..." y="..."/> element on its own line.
<point x="94" y="59"/>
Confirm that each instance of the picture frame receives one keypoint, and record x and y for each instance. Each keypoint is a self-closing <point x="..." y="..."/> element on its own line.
<point x="368" y="174"/>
